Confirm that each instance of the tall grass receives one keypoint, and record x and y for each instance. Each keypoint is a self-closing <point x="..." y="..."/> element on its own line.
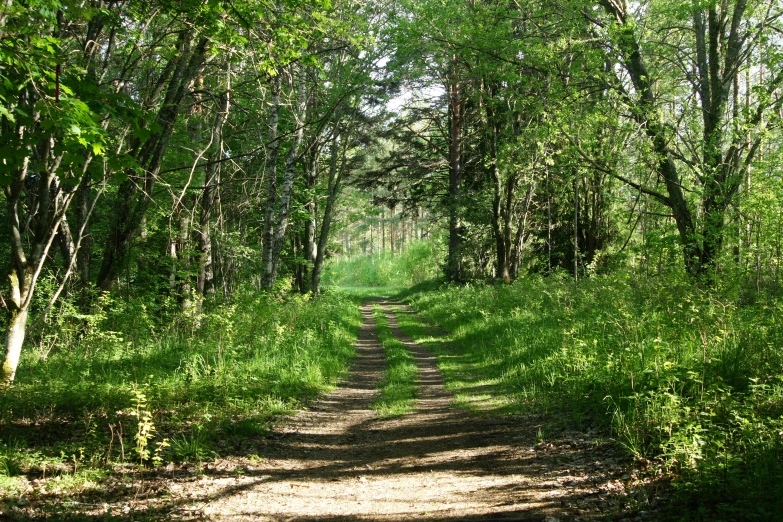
<point x="414" y="265"/>
<point x="689" y="381"/>
<point x="200" y="385"/>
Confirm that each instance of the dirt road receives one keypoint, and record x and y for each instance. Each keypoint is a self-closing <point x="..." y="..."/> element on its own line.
<point x="338" y="461"/>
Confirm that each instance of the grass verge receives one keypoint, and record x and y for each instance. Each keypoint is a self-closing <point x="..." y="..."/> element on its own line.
<point x="472" y="388"/>
<point x="398" y="388"/>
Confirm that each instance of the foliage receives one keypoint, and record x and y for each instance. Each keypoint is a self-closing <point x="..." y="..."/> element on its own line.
<point x="689" y="381"/>
<point x="144" y="378"/>
<point x="416" y="264"/>
<point x="628" y="143"/>
<point x="145" y="430"/>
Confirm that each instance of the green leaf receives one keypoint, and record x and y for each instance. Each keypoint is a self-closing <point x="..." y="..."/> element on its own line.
<point x="4" y="112"/>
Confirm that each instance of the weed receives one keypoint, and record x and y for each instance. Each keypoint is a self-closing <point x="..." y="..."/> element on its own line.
<point x="193" y="447"/>
<point x="145" y="428"/>
<point x="11" y="457"/>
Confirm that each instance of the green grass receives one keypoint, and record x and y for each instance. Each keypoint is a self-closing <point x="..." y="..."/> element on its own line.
<point x="369" y="292"/>
<point x="473" y="388"/>
<point x="414" y="265"/>
<point x="398" y="388"/>
<point x="202" y="386"/>
<point x="687" y="380"/>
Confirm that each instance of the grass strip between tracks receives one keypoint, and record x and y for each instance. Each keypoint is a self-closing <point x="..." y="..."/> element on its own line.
<point x="398" y="388"/>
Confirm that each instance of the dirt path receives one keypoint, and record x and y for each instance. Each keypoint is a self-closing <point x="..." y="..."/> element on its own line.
<point x="338" y="461"/>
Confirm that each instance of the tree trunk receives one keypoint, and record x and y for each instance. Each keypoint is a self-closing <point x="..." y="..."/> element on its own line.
<point x="267" y="279"/>
<point x="404" y="234"/>
<point x="308" y="239"/>
<point x="372" y="241"/>
<point x="289" y="175"/>
<point x="391" y="229"/>
<point x="206" y="274"/>
<point x="499" y="212"/>
<point x="205" y="278"/>
<point x="17" y="321"/>
<point x="4" y="12"/>
<point x="576" y="226"/>
<point x="454" y="263"/>
<point x="183" y="265"/>
<point x="522" y="231"/>
<point x="47" y="206"/>
<point x="83" y="255"/>
<point x="25" y="269"/>
<point x="335" y="179"/>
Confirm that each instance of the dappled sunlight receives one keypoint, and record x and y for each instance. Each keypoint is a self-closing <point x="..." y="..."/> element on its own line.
<point x="340" y="462"/>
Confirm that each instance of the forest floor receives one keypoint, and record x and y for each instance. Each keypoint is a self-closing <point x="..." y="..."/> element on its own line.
<point x="337" y="460"/>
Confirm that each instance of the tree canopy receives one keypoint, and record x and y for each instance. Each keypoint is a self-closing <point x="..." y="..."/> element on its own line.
<point x="193" y="148"/>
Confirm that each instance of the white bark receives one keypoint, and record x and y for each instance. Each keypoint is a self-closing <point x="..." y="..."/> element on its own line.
<point x="289" y="175"/>
<point x="13" y="344"/>
<point x="267" y="278"/>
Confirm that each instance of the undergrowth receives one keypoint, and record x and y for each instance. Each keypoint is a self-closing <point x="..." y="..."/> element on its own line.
<point x="132" y="387"/>
<point x="690" y="382"/>
<point x="414" y="265"/>
<point x="398" y="388"/>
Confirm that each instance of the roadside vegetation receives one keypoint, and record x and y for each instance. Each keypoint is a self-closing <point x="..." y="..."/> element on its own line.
<point x="688" y="381"/>
<point x="131" y="387"/>
<point x="398" y="388"/>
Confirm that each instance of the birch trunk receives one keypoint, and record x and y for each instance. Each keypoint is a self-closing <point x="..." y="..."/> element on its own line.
<point x="335" y="180"/>
<point x="289" y="175"/>
<point x="309" y="247"/>
<point x="46" y="199"/>
<point x="17" y="323"/>
<point x="205" y="277"/>
<point x="267" y="278"/>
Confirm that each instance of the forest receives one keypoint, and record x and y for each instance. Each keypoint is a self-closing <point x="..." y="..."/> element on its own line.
<point x="570" y="212"/>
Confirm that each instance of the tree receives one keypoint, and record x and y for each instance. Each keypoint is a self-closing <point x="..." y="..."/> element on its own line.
<point x="93" y="96"/>
<point x="50" y="133"/>
<point x="719" y="40"/>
